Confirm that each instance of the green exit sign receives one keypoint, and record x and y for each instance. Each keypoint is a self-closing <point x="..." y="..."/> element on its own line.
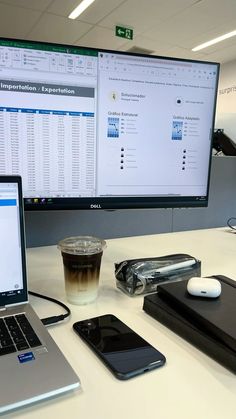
<point x="124" y="32"/>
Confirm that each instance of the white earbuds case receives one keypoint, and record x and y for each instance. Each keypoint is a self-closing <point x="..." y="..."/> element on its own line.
<point x="204" y="287"/>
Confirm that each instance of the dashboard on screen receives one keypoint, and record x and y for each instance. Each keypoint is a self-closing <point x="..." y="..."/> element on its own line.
<point x="89" y="128"/>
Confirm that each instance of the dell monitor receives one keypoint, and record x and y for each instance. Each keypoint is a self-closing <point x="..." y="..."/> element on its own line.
<point x="92" y="128"/>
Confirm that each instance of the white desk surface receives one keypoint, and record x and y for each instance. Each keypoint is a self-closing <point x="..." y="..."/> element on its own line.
<point x="190" y="386"/>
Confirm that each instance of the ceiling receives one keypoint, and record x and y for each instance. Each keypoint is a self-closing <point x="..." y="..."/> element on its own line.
<point x="165" y="27"/>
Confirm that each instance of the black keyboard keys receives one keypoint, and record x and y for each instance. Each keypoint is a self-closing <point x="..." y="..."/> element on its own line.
<point x="28" y="331"/>
<point x="6" y="344"/>
<point x="16" y="334"/>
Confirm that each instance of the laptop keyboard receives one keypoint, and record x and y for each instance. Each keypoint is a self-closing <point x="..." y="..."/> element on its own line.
<point x="16" y="334"/>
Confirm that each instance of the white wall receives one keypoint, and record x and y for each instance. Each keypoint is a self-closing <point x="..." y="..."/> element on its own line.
<point x="226" y="101"/>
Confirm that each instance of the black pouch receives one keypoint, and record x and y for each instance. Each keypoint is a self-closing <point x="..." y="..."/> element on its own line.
<point x="142" y="276"/>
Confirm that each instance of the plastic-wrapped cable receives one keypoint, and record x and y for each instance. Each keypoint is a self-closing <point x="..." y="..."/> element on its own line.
<point x="142" y="276"/>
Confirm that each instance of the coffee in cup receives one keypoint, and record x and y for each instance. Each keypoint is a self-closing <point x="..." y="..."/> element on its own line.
<point x="82" y="260"/>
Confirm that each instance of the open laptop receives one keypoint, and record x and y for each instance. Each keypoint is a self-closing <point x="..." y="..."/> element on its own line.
<point x="32" y="367"/>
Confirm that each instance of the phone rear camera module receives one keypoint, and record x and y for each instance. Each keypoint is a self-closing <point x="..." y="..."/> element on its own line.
<point x="89" y="325"/>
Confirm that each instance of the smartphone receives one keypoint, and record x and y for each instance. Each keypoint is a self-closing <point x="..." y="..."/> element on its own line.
<point x="122" y="350"/>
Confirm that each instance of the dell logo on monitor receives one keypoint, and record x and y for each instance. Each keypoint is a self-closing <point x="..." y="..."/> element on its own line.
<point x="95" y="206"/>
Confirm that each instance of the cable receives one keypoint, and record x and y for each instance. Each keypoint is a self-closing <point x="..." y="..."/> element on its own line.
<point x="48" y="321"/>
<point x="229" y="223"/>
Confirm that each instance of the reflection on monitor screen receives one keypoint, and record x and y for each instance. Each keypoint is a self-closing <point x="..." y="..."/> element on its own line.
<point x="88" y="128"/>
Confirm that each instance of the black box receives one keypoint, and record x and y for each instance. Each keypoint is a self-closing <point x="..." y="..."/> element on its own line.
<point x="171" y="315"/>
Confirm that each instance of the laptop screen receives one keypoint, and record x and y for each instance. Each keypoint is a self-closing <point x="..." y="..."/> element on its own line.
<point x="12" y="251"/>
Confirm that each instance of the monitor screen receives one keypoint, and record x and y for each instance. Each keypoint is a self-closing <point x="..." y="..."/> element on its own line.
<point x="89" y="128"/>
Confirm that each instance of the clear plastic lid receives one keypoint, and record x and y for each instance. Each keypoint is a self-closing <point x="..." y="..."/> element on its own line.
<point x="82" y="245"/>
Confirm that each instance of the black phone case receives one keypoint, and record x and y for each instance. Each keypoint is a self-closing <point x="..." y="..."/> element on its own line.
<point x="94" y="349"/>
<point x="78" y="326"/>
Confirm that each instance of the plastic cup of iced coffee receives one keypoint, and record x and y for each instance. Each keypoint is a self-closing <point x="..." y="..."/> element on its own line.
<point x="81" y="257"/>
